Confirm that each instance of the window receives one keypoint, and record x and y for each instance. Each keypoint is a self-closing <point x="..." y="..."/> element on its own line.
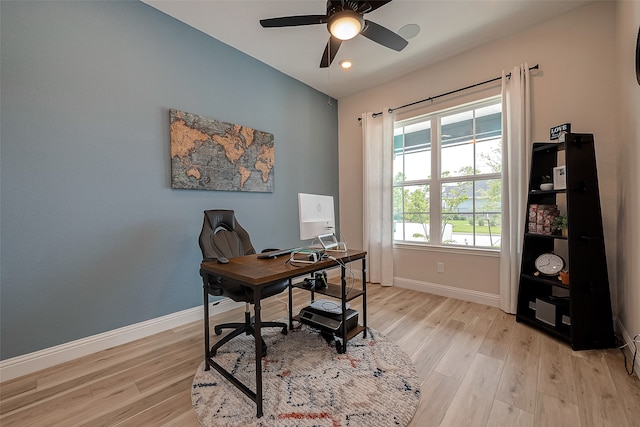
<point x="447" y="177"/>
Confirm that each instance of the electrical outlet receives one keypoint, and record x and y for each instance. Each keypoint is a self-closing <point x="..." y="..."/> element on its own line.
<point x="440" y="267"/>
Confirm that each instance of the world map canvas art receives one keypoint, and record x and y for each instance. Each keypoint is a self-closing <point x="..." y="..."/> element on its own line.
<point x="207" y="154"/>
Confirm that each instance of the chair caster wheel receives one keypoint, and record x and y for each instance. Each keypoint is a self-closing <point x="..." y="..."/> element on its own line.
<point x="285" y="330"/>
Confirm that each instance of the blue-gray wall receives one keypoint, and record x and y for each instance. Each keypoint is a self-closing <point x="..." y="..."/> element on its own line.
<point x="92" y="236"/>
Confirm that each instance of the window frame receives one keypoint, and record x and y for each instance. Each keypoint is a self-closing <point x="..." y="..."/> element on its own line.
<point x="436" y="180"/>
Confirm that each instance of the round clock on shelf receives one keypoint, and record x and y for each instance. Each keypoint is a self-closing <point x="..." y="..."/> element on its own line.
<point x="549" y="264"/>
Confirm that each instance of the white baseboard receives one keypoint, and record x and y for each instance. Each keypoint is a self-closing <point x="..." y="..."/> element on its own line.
<point x="449" y="291"/>
<point x="42" y="359"/>
<point x="628" y="340"/>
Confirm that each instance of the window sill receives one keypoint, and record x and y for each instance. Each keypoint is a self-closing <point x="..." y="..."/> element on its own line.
<point x="491" y="253"/>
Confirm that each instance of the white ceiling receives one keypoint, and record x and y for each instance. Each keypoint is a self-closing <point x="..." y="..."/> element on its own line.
<point x="448" y="27"/>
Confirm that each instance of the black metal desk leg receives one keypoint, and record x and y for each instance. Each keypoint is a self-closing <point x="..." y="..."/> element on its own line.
<point x="290" y="304"/>
<point x="364" y="295"/>
<point x="206" y="325"/>
<point x="343" y="298"/>
<point x="258" y="338"/>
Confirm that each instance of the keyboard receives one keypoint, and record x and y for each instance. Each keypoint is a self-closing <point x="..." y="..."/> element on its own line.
<point x="275" y="254"/>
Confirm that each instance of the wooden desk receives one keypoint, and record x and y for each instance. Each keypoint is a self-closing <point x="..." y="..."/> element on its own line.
<point x="257" y="274"/>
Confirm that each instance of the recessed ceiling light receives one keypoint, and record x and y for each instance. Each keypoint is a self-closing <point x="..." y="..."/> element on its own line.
<point x="409" y="31"/>
<point x="346" y="63"/>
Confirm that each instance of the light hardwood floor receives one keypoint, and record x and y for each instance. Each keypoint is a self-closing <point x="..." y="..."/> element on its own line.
<point x="477" y="365"/>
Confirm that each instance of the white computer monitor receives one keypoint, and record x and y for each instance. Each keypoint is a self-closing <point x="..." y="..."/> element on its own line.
<point x="316" y="215"/>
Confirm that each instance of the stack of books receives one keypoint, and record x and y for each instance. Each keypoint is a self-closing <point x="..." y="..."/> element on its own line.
<point x="541" y="218"/>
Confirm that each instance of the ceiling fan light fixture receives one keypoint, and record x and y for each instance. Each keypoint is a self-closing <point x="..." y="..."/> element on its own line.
<point x="345" y="25"/>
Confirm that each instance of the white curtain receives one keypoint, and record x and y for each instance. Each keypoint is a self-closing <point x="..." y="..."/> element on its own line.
<point x="377" y="137"/>
<point x="516" y="140"/>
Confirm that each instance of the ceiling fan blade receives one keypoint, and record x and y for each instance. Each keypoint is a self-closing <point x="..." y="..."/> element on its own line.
<point x="383" y="36"/>
<point x="293" y="21"/>
<point x="376" y="5"/>
<point x="330" y="51"/>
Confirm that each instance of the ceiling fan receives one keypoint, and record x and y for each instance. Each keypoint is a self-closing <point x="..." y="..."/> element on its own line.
<point x="345" y="20"/>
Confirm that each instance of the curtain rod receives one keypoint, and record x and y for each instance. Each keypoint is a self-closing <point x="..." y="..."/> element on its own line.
<point x="431" y="98"/>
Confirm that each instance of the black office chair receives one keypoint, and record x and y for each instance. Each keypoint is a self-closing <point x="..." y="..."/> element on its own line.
<point x="223" y="236"/>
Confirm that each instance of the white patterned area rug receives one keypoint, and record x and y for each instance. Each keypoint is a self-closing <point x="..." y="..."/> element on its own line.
<point x="307" y="383"/>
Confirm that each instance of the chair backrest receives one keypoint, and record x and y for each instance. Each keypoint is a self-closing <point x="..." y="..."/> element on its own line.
<point x="223" y="236"/>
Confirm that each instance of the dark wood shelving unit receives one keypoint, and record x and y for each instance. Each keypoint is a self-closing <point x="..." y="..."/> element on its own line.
<point x="580" y="312"/>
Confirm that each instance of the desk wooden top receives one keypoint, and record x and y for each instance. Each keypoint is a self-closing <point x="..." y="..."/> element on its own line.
<point x="252" y="270"/>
